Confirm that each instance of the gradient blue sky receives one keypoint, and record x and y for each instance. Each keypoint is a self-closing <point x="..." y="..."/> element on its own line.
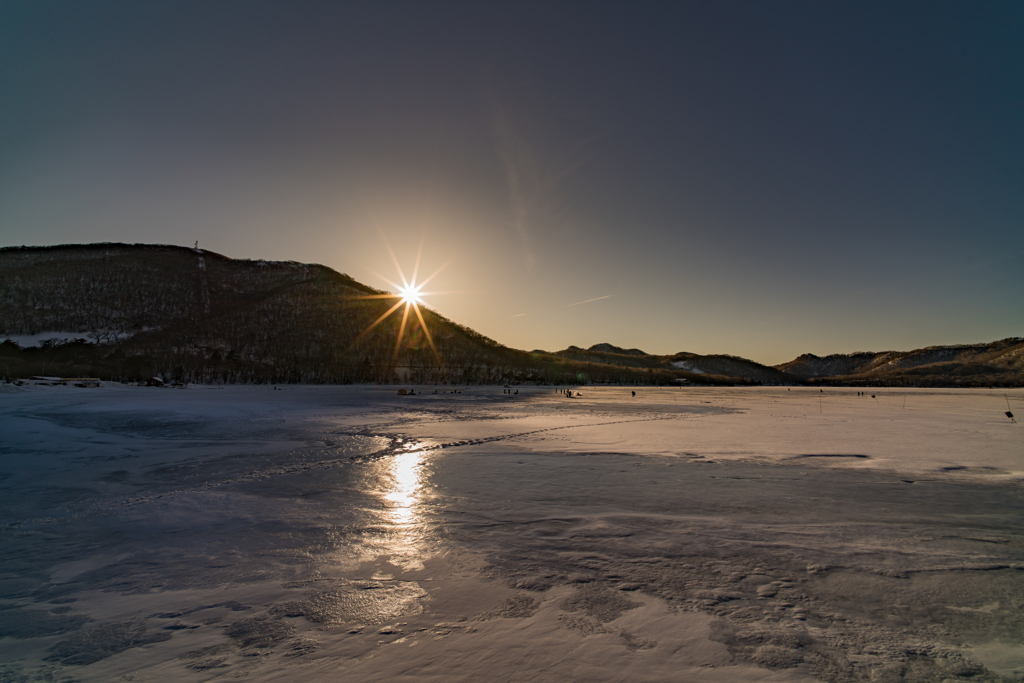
<point x="759" y="179"/>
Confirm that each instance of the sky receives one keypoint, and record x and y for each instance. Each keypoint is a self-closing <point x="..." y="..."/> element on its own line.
<point x="750" y="178"/>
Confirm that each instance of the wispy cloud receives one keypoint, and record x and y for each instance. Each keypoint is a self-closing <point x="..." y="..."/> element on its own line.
<point x="532" y="177"/>
<point x="521" y="176"/>
<point x="520" y="315"/>
<point x="589" y="300"/>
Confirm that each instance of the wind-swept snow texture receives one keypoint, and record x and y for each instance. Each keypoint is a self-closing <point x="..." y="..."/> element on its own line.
<point x="346" y="533"/>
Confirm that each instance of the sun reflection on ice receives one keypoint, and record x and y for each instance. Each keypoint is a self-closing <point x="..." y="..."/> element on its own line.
<point x="406" y="477"/>
<point x="402" y="478"/>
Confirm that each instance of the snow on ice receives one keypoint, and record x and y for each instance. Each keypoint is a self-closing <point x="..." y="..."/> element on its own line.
<point x="326" y="533"/>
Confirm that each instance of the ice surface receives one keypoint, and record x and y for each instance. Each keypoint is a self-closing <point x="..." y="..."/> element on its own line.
<point x="329" y="533"/>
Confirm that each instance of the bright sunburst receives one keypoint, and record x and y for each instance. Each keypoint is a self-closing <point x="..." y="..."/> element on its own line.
<point x="411" y="296"/>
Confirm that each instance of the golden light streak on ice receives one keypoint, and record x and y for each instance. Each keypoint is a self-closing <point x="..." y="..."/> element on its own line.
<point x="402" y="477"/>
<point x="406" y="479"/>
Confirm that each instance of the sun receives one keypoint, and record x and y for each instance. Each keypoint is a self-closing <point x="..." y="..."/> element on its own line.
<point x="411" y="295"/>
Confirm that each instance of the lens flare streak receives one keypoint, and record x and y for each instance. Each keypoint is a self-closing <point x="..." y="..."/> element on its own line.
<point x="411" y="295"/>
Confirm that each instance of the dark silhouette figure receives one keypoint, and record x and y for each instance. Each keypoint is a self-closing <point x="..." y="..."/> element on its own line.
<point x="634" y="393"/>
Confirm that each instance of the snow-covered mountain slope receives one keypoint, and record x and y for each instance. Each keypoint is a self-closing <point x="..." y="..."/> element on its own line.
<point x="997" y="362"/>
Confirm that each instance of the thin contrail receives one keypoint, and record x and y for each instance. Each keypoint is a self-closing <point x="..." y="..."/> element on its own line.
<point x="520" y="315"/>
<point x="588" y="301"/>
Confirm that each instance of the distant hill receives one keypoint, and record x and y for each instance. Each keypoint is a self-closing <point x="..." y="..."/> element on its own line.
<point x="994" y="363"/>
<point x="732" y="366"/>
<point x="133" y="311"/>
<point x="595" y="354"/>
<point x="136" y="311"/>
<point x="195" y="315"/>
<point x="716" y="369"/>
<point x="610" y="348"/>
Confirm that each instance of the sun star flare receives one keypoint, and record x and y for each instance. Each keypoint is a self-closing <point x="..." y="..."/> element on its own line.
<point x="410" y="295"/>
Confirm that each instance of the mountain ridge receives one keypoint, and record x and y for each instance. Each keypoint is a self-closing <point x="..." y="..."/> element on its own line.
<point x="196" y="315"/>
<point x="193" y="315"/>
<point x="984" y="363"/>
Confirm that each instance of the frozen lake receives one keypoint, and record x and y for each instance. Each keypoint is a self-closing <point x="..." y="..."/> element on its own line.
<point x="343" y="533"/>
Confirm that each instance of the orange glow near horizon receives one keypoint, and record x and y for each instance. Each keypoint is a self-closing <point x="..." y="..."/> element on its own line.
<point x="411" y="295"/>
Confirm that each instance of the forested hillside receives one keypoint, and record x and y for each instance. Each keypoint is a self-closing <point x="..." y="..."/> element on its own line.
<point x="196" y="316"/>
<point x="714" y="369"/>
<point x="130" y="312"/>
